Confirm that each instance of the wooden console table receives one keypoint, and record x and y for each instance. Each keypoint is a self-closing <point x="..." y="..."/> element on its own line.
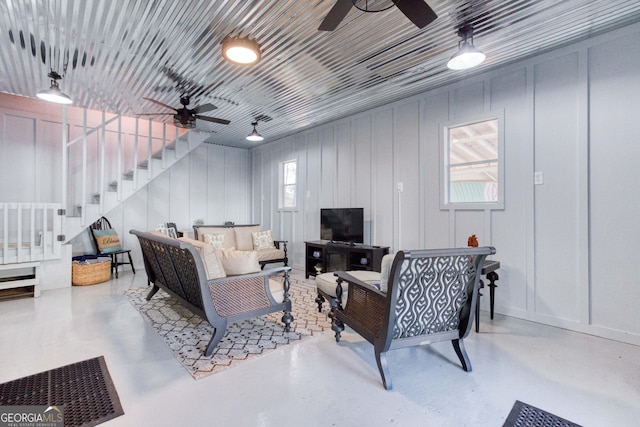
<point x="489" y="271"/>
<point x="322" y="256"/>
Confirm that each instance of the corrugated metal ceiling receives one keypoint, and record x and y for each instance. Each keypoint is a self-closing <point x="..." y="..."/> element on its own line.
<point x="119" y="51"/>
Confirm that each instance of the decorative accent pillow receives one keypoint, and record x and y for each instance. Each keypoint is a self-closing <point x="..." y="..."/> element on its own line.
<point x="215" y="240"/>
<point x="238" y="262"/>
<point x="212" y="264"/>
<point x="262" y="240"/>
<point x="108" y="241"/>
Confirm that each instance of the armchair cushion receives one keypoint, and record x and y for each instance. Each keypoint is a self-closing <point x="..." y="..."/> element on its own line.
<point x="107" y="241"/>
<point x="238" y="262"/>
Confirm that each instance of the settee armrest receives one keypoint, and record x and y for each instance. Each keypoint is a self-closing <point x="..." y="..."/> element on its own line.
<point x="236" y="295"/>
<point x="365" y="307"/>
<point x="282" y="245"/>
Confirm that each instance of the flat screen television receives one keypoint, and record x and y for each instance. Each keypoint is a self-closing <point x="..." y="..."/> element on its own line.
<point x="342" y="225"/>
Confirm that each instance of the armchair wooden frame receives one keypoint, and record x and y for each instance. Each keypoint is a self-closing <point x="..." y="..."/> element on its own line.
<point x="431" y="297"/>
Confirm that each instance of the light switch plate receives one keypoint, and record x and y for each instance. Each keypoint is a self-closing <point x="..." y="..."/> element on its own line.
<point x="538" y="178"/>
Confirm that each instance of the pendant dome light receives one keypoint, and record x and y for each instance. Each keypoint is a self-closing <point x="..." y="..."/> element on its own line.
<point x="255" y="136"/>
<point x="467" y="56"/>
<point x="54" y="94"/>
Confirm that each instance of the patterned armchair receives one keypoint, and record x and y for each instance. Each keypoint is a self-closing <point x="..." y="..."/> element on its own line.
<point x="431" y="296"/>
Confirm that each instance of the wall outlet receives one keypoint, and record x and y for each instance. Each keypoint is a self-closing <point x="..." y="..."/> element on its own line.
<point x="308" y="194"/>
<point x="400" y="187"/>
<point x="538" y="178"/>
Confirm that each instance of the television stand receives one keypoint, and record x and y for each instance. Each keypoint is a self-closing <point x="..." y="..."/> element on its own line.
<point x="322" y="256"/>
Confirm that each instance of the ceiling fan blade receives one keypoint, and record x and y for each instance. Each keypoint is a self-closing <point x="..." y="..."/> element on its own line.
<point x="212" y="119"/>
<point x="154" y="114"/>
<point x="160" y="103"/>
<point x="336" y="15"/>
<point x="204" y="108"/>
<point x="417" y="11"/>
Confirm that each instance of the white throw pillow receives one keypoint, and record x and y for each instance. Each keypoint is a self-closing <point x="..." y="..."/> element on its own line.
<point x="212" y="264"/>
<point x="262" y="240"/>
<point x="238" y="262"/>
<point x="215" y="240"/>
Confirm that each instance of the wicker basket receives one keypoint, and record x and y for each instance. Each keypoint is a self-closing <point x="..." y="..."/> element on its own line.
<point x="90" y="274"/>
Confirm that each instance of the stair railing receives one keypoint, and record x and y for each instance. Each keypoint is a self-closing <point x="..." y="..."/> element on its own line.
<point x="30" y="232"/>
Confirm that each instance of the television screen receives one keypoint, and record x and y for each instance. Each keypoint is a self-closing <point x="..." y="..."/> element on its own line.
<point x="344" y="225"/>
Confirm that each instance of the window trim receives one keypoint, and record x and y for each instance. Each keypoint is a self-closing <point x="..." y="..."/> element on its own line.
<point x="281" y="185"/>
<point x="445" y="167"/>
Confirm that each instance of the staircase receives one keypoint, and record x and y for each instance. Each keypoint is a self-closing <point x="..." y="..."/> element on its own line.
<point x="114" y="192"/>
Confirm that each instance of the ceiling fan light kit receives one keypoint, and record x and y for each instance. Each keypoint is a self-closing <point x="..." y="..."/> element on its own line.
<point x="467" y="56"/>
<point x="54" y="94"/>
<point x="184" y="116"/>
<point x="254" y="135"/>
<point x="418" y="11"/>
<point x="241" y="50"/>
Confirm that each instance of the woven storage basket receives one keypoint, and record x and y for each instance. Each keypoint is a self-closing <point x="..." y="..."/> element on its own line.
<point x="90" y="274"/>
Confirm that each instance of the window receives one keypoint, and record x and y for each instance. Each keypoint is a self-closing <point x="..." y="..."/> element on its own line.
<point x="288" y="184"/>
<point x="472" y="165"/>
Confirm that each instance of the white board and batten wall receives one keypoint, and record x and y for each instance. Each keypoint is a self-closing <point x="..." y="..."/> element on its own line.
<point x="567" y="247"/>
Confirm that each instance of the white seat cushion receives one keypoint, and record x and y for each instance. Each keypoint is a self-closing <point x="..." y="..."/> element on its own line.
<point x="277" y="290"/>
<point x="269" y="254"/>
<point x="326" y="282"/>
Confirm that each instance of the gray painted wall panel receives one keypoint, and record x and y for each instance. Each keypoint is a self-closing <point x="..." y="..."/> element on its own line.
<point x="362" y="171"/>
<point x="407" y="139"/>
<point x="198" y="195"/>
<point x="509" y="226"/>
<point x="384" y="194"/>
<point x="435" y="111"/>
<point x="556" y="216"/>
<point x="328" y="172"/>
<point x="615" y="194"/>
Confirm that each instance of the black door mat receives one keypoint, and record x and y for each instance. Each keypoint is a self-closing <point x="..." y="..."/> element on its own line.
<point x="84" y="388"/>
<point x="524" y="415"/>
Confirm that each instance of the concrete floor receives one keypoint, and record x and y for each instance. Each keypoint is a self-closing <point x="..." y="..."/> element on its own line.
<point x="588" y="380"/>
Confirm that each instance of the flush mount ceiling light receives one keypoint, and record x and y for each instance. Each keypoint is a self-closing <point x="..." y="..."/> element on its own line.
<point x="254" y="136"/>
<point x="467" y="55"/>
<point x="54" y="94"/>
<point x="240" y="50"/>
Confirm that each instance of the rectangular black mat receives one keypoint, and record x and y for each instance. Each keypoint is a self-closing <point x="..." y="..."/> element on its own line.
<point x="524" y="415"/>
<point x="84" y="388"/>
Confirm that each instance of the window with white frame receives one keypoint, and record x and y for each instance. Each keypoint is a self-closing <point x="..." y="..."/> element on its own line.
<point x="288" y="184"/>
<point x="473" y="164"/>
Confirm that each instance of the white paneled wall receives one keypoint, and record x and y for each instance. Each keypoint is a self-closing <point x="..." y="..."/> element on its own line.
<point x="565" y="246"/>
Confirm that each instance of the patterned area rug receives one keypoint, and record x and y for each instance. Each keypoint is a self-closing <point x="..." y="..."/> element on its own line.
<point x="188" y="334"/>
